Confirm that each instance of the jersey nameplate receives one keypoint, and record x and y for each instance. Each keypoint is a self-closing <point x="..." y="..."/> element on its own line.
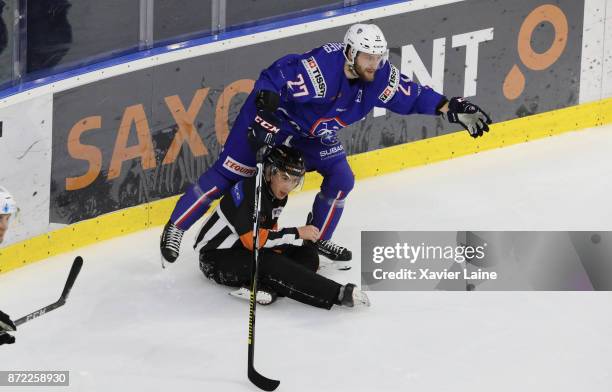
<point x="333" y="47"/>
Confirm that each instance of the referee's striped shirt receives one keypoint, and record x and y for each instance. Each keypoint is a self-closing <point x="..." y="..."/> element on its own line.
<point x="230" y="225"/>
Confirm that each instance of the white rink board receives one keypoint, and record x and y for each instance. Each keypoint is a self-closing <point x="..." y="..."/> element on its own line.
<point x="596" y="61"/>
<point x="607" y="63"/>
<point x="25" y="162"/>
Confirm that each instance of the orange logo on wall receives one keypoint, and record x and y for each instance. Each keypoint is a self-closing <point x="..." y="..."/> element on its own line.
<point x="514" y="84"/>
<point x="135" y="117"/>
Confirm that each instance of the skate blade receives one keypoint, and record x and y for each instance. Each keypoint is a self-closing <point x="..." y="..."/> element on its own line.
<point x="335" y="265"/>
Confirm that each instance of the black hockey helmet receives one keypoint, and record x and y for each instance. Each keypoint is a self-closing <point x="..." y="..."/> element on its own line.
<point x="285" y="159"/>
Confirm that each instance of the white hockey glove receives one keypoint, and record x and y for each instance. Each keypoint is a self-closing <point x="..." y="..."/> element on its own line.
<point x="470" y="116"/>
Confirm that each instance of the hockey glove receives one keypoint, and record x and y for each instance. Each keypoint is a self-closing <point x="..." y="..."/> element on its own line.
<point x="471" y="117"/>
<point x="6" y="324"/>
<point x="263" y="129"/>
<point x="6" y="338"/>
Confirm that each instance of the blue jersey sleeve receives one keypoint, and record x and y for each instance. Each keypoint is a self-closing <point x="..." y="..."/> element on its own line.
<point x="403" y="96"/>
<point x="297" y="78"/>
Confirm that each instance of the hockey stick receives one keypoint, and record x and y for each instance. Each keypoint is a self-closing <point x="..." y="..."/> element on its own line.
<point x="74" y="272"/>
<point x="260" y="381"/>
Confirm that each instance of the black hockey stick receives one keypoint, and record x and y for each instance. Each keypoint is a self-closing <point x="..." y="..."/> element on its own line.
<point x="74" y="272"/>
<point x="260" y="381"/>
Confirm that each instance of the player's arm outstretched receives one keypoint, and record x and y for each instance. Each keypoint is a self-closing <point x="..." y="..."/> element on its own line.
<point x="404" y="96"/>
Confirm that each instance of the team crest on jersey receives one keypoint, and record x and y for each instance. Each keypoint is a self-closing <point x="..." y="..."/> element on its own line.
<point x="238" y="168"/>
<point x="316" y="76"/>
<point x="326" y="128"/>
<point x="392" y="86"/>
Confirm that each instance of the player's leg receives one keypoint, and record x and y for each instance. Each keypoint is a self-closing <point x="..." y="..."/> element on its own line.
<point x="291" y="279"/>
<point x="232" y="267"/>
<point x="328" y="206"/>
<point x="308" y="256"/>
<point x="194" y="203"/>
<point x="278" y="274"/>
<point x="305" y="255"/>
<point x="235" y="162"/>
<point x="229" y="267"/>
<point x="329" y="159"/>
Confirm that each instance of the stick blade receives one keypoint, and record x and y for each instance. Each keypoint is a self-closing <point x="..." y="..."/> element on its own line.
<point x="262" y="382"/>
<point x="74" y="272"/>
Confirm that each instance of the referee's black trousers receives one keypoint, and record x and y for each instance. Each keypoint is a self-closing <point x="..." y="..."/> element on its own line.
<point x="291" y="273"/>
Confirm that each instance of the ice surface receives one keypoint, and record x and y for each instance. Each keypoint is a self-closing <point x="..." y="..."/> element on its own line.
<point x="131" y="326"/>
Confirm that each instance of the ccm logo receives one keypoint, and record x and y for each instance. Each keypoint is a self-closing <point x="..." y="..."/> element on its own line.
<point x="241" y="170"/>
<point x="266" y="125"/>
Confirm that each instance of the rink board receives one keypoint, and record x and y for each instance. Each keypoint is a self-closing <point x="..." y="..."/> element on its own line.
<point x="137" y="196"/>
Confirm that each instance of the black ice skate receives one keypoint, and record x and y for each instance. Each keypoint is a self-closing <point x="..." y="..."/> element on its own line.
<point x="333" y="251"/>
<point x="264" y="296"/>
<point x="170" y="242"/>
<point x="336" y="253"/>
<point x="351" y="296"/>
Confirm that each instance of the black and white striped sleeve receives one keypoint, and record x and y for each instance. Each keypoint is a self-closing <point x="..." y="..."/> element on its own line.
<point x="285" y="236"/>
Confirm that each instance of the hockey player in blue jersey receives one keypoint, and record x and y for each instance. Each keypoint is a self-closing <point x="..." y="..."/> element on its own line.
<point x="303" y="101"/>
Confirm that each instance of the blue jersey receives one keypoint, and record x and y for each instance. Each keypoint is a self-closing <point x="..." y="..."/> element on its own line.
<point x="318" y="99"/>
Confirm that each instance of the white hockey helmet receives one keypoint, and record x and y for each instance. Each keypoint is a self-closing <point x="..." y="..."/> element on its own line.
<point x="8" y="206"/>
<point x="367" y="38"/>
